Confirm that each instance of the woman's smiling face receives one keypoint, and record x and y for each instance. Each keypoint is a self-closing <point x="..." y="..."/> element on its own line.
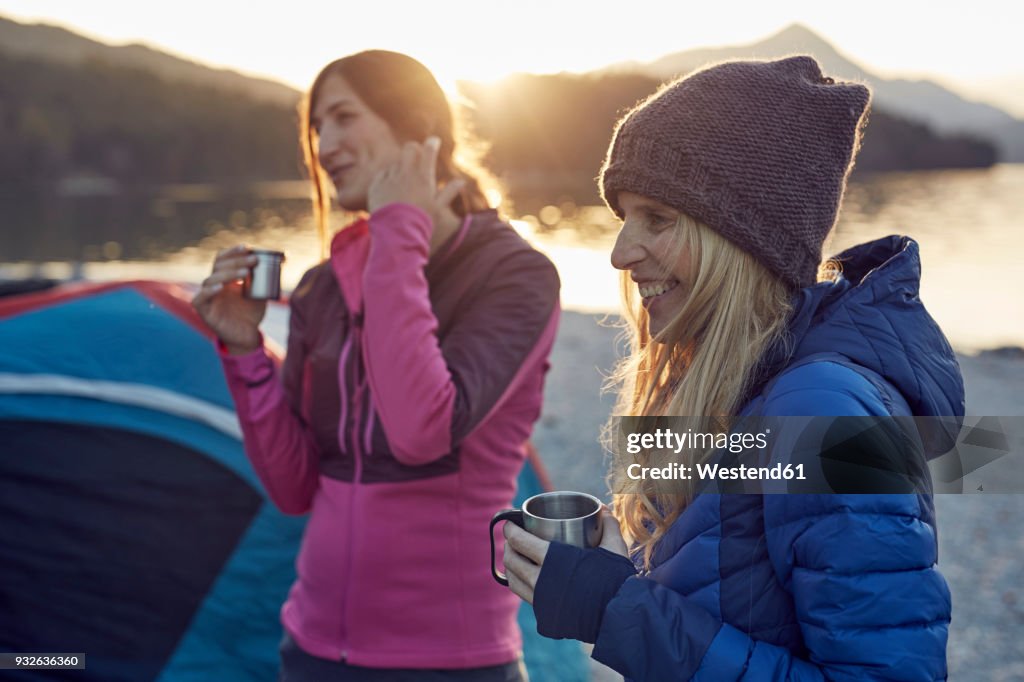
<point x="354" y="143"/>
<point x="648" y="247"/>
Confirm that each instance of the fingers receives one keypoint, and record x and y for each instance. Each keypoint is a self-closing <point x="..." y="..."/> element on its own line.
<point x="237" y="248"/>
<point x="448" y="193"/>
<point x="225" y="275"/>
<point x="522" y="573"/>
<point x="230" y="265"/>
<point x="411" y="178"/>
<point x="524" y="553"/>
<point x="379" y="178"/>
<point x="215" y="283"/>
<point x="522" y="587"/>
<point x="205" y="293"/>
<point x="410" y="158"/>
<point x="526" y="544"/>
<point x="235" y="251"/>
<point x="429" y="159"/>
<point x="421" y="158"/>
<point x="523" y="568"/>
<point x="235" y="258"/>
<point x="611" y="534"/>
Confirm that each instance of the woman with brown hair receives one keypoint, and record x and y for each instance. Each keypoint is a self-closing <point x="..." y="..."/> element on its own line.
<point x="414" y="374"/>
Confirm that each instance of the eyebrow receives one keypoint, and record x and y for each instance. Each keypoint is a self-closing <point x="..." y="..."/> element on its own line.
<point x="331" y="108"/>
<point x="656" y="206"/>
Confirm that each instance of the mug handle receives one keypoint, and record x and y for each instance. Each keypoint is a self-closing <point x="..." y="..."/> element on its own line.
<point x="516" y="517"/>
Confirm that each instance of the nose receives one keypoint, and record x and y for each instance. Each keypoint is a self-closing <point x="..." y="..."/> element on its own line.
<point x="328" y="143"/>
<point x="627" y="251"/>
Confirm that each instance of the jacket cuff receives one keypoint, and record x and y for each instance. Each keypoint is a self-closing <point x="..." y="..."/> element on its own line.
<point x="408" y="223"/>
<point x="253" y="368"/>
<point x="574" y="588"/>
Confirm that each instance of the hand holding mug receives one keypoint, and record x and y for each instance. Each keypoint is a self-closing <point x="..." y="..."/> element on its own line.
<point x="573" y="518"/>
<point x="234" y="318"/>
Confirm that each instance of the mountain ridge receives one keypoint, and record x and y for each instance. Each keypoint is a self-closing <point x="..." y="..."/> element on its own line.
<point x="55" y="43"/>
<point x="917" y="99"/>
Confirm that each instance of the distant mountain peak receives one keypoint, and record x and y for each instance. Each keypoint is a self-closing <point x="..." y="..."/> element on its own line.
<point x="798" y="38"/>
<point x="795" y="38"/>
<point x="923" y="100"/>
<point x="796" y="31"/>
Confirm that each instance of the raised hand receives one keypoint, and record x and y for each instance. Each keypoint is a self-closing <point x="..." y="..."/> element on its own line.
<point x="412" y="179"/>
<point x="232" y="317"/>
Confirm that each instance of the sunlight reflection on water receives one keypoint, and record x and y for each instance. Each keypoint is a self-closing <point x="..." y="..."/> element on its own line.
<point x="967" y="224"/>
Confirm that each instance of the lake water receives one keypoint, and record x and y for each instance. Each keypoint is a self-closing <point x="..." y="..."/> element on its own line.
<point x="968" y="224"/>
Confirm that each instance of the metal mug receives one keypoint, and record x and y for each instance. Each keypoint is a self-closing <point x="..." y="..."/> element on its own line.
<point x="264" y="280"/>
<point x="569" y="517"/>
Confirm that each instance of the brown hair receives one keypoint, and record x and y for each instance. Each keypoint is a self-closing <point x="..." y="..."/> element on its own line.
<point x="405" y="94"/>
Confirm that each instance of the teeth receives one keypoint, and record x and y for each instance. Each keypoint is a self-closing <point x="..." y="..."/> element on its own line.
<point x="656" y="289"/>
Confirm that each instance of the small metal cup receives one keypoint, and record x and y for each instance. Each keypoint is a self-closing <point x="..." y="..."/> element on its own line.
<point x="569" y="517"/>
<point x="264" y="280"/>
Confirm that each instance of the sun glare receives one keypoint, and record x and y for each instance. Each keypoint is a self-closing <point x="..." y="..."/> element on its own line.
<point x="465" y="40"/>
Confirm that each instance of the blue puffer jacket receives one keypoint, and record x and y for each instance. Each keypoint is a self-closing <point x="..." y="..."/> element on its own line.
<point x="804" y="587"/>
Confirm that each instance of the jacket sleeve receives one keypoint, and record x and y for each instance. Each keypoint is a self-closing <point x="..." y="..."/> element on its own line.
<point x="430" y="395"/>
<point x="869" y="601"/>
<point x="277" y="441"/>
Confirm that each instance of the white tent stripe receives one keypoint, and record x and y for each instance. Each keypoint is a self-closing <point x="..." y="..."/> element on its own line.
<point x="125" y="393"/>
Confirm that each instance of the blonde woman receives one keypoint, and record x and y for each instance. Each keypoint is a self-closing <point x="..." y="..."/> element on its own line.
<point x="728" y="183"/>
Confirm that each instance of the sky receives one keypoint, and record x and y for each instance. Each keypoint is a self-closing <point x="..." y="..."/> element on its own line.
<point x="967" y="46"/>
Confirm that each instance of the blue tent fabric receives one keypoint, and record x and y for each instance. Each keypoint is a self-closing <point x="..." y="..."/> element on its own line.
<point x="148" y="552"/>
<point x="134" y="534"/>
<point x="135" y="530"/>
<point x="115" y="335"/>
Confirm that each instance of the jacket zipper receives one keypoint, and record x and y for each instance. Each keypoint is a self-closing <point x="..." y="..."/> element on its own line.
<point x="356" y="406"/>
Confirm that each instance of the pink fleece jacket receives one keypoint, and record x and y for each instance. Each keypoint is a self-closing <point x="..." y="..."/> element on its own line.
<point x="410" y="387"/>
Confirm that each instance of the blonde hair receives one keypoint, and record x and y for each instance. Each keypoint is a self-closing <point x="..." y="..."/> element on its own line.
<point x="699" y="366"/>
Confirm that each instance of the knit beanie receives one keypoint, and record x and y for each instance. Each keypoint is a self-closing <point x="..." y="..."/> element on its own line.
<point x="757" y="151"/>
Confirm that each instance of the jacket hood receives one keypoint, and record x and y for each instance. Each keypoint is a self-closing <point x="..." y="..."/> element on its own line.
<point x="873" y="315"/>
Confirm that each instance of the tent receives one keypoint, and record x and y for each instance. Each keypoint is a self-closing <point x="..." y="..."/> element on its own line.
<point x="135" y="531"/>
